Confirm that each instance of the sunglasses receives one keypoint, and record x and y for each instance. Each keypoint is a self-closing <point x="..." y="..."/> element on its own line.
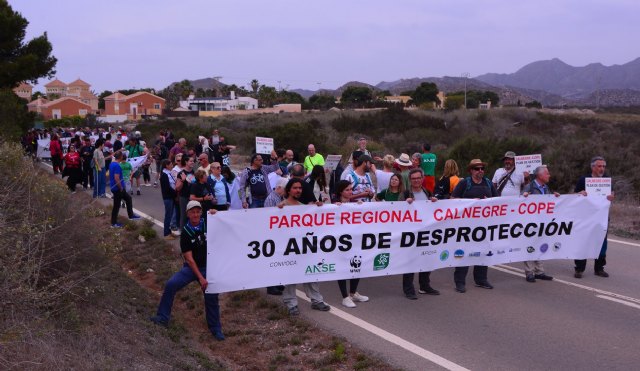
<point x="479" y="168"/>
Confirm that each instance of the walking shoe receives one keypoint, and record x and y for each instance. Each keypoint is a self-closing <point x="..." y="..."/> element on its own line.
<point x="543" y="276"/>
<point x="411" y="296"/>
<point x="530" y="278"/>
<point x="117" y="225"/>
<point x="294" y="311"/>
<point x="348" y="302"/>
<point x="484" y="285"/>
<point x="429" y="291"/>
<point x="577" y="274"/>
<point x="602" y="273"/>
<point x="123" y="204"/>
<point x="135" y="217"/>
<point x="460" y="287"/>
<point x="159" y="321"/>
<point x="321" y="306"/>
<point x="155" y="184"/>
<point x="137" y="192"/>
<point x="361" y="298"/>
<point x="169" y="237"/>
<point x="218" y="335"/>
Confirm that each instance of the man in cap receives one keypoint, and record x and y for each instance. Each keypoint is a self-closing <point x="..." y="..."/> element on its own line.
<point x="476" y="186"/>
<point x="539" y="186"/>
<point x="598" y="167"/>
<point x="193" y="244"/>
<point x="363" y="189"/>
<point x="505" y="179"/>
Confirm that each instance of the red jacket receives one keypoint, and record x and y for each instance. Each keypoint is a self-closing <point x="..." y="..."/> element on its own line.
<point x="55" y="148"/>
<point x="72" y="159"/>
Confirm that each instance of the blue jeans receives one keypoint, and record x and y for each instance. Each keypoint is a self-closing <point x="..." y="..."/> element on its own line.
<point x="256" y="204"/>
<point x="169" y="214"/>
<point x="99" y="182"/>
<point x="179" y="280"/>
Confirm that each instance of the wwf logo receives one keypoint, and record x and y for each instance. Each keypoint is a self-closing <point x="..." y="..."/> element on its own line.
<point x="356" y="262"/>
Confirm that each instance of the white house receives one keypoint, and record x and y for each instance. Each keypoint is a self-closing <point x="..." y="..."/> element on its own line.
<point x="231" y="103"/>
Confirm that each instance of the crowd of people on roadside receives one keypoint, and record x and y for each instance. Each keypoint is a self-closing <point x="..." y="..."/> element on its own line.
<point x="196" y="180"/>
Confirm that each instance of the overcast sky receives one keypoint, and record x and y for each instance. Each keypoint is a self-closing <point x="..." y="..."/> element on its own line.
<point x="118" y="44"/>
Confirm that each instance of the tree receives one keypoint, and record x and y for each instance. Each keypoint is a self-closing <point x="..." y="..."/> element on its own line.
<point x="37" y="95"/>
<point x="267" y="96"/>
<point x="454" y="101"/>
<point x="354" y="95"/>
<point x="290" y="97"/>
<point x="425" y="92"/>
<point x="19" y="61"/>
<point x="533" y="104"/>
<point x="322" y="101"/>
<point x="255" y="85"/>
<point x="101" y="97"/>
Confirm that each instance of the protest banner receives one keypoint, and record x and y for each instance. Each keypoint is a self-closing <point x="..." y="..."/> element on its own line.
<point x="597" y="186"/>
<point x="296" y="244"/>
<point x="332" y="161"/>
<point x="136" y="162"/>
<point x="264" y="145"/>
<point x="43" y="148"/>
<point x="527" y="163"/>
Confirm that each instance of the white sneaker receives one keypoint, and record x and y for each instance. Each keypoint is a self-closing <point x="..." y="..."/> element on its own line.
<point x="360" y="298"/>
<point x="347" y="302"/>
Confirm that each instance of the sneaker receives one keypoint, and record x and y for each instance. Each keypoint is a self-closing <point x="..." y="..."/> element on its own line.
<point x="294" y="311"/>
<point x="135" y="217"/>
<point x="159" y="321"/>
<point x="348" y="302"/>
<point x="484" y="285"/>
<point x="218" y="335"/>
<point x="460" y="287"/>
<point x="176" y="232"/>
<point x="155" y="184"/>
<point x="321" y="306"/>
<point x="602" y="273"/>
<point x="530" y="278"/>
<point x="411" y="296"/>
<point x="577" y="274"/>
<point x="117" y="225"/>
<point x="543" y="276"/>
<point x="137" y="192"/>
<point x="360" y="298"/>
<point x="429" y="291"/>
<point x="169" y="237"/>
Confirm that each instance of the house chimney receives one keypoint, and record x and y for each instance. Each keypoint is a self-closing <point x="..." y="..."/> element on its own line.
<point x="232" y="95"/>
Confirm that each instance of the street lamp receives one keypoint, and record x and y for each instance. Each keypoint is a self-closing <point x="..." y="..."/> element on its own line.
<point x="466" y="76"/>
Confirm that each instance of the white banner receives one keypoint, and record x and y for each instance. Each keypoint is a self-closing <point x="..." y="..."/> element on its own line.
<point x="332" y="161"/>
<point x="264" y="145"/>
<point x="136" y="162"/>
<point x="43" y="148"/>
<point x="271" y="246"/>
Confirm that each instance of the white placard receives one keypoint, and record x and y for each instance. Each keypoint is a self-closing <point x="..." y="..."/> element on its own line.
<point x="527" y="163"/>
<point x="271" y="246"/>
<point x="264" y="145"/>
<point x="597" y="186"/>
<point x="332" y="161"/>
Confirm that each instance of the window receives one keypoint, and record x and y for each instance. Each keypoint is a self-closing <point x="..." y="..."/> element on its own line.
<point x="156" y="106"/>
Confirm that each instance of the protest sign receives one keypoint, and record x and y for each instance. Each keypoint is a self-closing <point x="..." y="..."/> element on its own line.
<point x="332" y="161"/>
<point x="295" y="244"/>
<point x="264" y="145"/>
<point x="527" y="163"/>
<point x="597" y="186"/>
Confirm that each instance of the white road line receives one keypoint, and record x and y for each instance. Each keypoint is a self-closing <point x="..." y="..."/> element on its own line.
<point x="632" y="305"/>
<point x="623" y="242"/>
<point x="413" y="348"/>
<point x="517" y="272"/>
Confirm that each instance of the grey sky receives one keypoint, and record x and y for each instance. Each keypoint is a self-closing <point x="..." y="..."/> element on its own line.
<point x="120" y="44"/>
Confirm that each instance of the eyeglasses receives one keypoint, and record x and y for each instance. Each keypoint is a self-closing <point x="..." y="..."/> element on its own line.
<point x="416" y="178"/>
<point x="216" y="167"/>
<point x="479" y="168"/>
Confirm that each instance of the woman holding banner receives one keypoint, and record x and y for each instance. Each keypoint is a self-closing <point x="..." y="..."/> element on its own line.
<point x="344" y="192"/>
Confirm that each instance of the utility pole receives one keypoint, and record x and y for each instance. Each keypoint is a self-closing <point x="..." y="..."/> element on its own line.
<point x="466" y="76"/>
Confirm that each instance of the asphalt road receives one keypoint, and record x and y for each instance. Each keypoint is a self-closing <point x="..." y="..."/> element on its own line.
<point x="567" y="324"/>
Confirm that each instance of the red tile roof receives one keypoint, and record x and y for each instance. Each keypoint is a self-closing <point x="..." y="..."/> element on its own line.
<point x="55" y="84"/>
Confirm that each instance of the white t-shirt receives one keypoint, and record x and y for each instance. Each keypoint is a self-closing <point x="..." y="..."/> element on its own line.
<point x="514" y="184"/>
<point x="363" y="186"/>
<point x="383" y="178"/>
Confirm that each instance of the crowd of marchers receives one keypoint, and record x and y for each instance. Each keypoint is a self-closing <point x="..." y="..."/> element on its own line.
<point x="198" y="180"/>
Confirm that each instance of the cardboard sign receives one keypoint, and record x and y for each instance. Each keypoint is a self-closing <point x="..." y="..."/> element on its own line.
<point x="597" y="186"/>
<point x="332" y="161"/>
<point x="264" y="145"/>
<point x="527" y="163"/>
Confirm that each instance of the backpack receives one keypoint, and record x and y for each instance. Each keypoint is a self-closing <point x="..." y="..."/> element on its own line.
<point x="442" y="190"/>
<point x="468" y="184"/>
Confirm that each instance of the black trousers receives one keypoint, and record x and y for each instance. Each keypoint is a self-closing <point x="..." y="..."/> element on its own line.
<point x="479" y="274"/>
<point x="87" y="174"/>
<point x="407" y="282"/>
<point x="117" y="200"/>
<point x="581" y="264"/>
<point x="353" y="286"/>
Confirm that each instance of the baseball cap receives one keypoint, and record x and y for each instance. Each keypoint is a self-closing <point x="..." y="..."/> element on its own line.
<point x="193" y="204"/>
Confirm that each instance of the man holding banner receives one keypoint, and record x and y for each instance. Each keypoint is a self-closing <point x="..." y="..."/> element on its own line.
<point x="476" y="186"/>
<point x="598" y="167"/>
<point x="505" y="179"/>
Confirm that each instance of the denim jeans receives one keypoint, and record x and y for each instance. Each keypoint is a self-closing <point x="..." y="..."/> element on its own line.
<point x="99" y="182"/>
<point x="179" y="280"/>
<point x="169" y="214"/>
<point x="256" y="204"/>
